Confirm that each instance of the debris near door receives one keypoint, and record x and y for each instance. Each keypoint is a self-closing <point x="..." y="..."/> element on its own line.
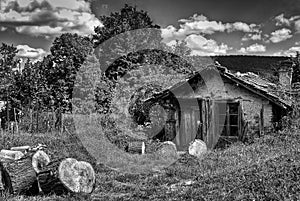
<point x="136" y="147"/>
<point x="29" y="170"/>
<point x="197" y="148"/>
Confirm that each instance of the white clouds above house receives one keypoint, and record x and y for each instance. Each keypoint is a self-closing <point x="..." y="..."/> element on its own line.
<point x="292" y="22"/>
<point x="202" y="46"/>
<point x="200" y="24"/>
<point x="254" y="48"/>
<point x="280" y="35"/>
<point x="252" y="36"/>
<point x="197" y="29"/>
<point x="48" y="18"/>
<point x="24" y="51"/>
<point x="290" y="52"/>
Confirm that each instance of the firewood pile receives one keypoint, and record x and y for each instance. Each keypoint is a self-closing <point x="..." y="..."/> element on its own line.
<point x="29" y="170"/>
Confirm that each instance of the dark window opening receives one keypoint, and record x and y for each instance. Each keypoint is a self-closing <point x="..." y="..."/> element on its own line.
<point x="228" y="118"/>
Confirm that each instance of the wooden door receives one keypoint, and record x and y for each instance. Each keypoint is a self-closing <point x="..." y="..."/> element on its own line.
<point x="189" y="127"/>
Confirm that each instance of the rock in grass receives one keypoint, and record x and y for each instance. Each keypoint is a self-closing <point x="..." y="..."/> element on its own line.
<point x="167" y="150"/>
<point x="197" y="148"/>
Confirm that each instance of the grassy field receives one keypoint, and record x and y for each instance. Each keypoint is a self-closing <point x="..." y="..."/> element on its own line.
<point x="268" y="169"/>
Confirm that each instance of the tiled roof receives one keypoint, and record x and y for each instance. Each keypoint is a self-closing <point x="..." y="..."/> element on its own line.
<point x="248" y="80"/>
<point x="263" y="86"/>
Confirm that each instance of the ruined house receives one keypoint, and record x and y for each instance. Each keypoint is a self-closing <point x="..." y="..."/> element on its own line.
<point x="219" y="106"/>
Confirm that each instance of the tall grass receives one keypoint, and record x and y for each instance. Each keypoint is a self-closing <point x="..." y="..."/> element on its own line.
<point x="268" y="169"/>
<point x="93" y="137"/>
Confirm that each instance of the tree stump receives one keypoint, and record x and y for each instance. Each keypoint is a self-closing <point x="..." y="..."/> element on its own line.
<point x="136" y="147"/>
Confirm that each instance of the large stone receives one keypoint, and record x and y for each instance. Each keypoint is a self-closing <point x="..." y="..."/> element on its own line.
<point x="167" y="150"/>
<point x="197" y="148"/>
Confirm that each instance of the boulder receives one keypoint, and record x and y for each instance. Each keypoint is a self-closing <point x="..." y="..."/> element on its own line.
<point x="197" y="148"/>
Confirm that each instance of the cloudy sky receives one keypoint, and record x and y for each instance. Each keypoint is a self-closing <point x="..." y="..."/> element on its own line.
<point x="210" y="27"/>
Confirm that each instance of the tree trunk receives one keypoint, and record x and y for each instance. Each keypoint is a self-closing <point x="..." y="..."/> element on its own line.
<point x="137" y="147"/>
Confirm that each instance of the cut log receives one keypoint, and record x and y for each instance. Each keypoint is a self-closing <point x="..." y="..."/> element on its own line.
<point x="39" y="160"/>
<point x="18" y="176"/>
<point x="49" y="181"/>
<point x="77" y="176"/>
<point x="68" y="175"/>
<point x="21" y="148"/>
<point x="167" y="150"/>
<point x="9" y="154"/>
<point x="136" y="147"/>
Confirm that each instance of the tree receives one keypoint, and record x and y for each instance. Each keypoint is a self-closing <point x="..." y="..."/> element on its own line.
<point x="68" y="53"/>
<point x="129" y="18"/>
<point x="296" y="68"/>
<point x="31" y="85"/>
<point x="83" y="100"/>
<point x="118" y="54"/>
<point x="128" y="40"/>
<point x="8" y="72"/>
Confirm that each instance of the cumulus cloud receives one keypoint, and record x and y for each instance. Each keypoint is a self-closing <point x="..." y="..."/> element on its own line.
<point x="297" y="26"/>
<point x="32" y="5"/>
<point x="252" y="36"/>
<point x="280" y="35"/>
<point x="49" y="18"/>
<point x="28" y="52"/>
<point x="200" y="24"/>
<point x="281" y="20"/>
<point x="293" y="21"/>
<point x="255" y="48"/>
<point x="202" y="46"/>
<point x="290" y="52"/>
<point x="241" y="26"/>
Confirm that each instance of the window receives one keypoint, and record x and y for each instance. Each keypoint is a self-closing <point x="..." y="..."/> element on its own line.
<point x="228" y="118"/>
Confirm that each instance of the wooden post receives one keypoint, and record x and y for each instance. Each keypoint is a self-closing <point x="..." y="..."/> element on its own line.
<point x="16" y="122"/>
<point x="31" y="120"/>
<point x="37" y="119"/>
<point x="7" y="110"/>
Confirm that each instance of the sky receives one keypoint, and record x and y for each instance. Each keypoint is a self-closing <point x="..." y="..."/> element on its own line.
<point x="209" y="27"/>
